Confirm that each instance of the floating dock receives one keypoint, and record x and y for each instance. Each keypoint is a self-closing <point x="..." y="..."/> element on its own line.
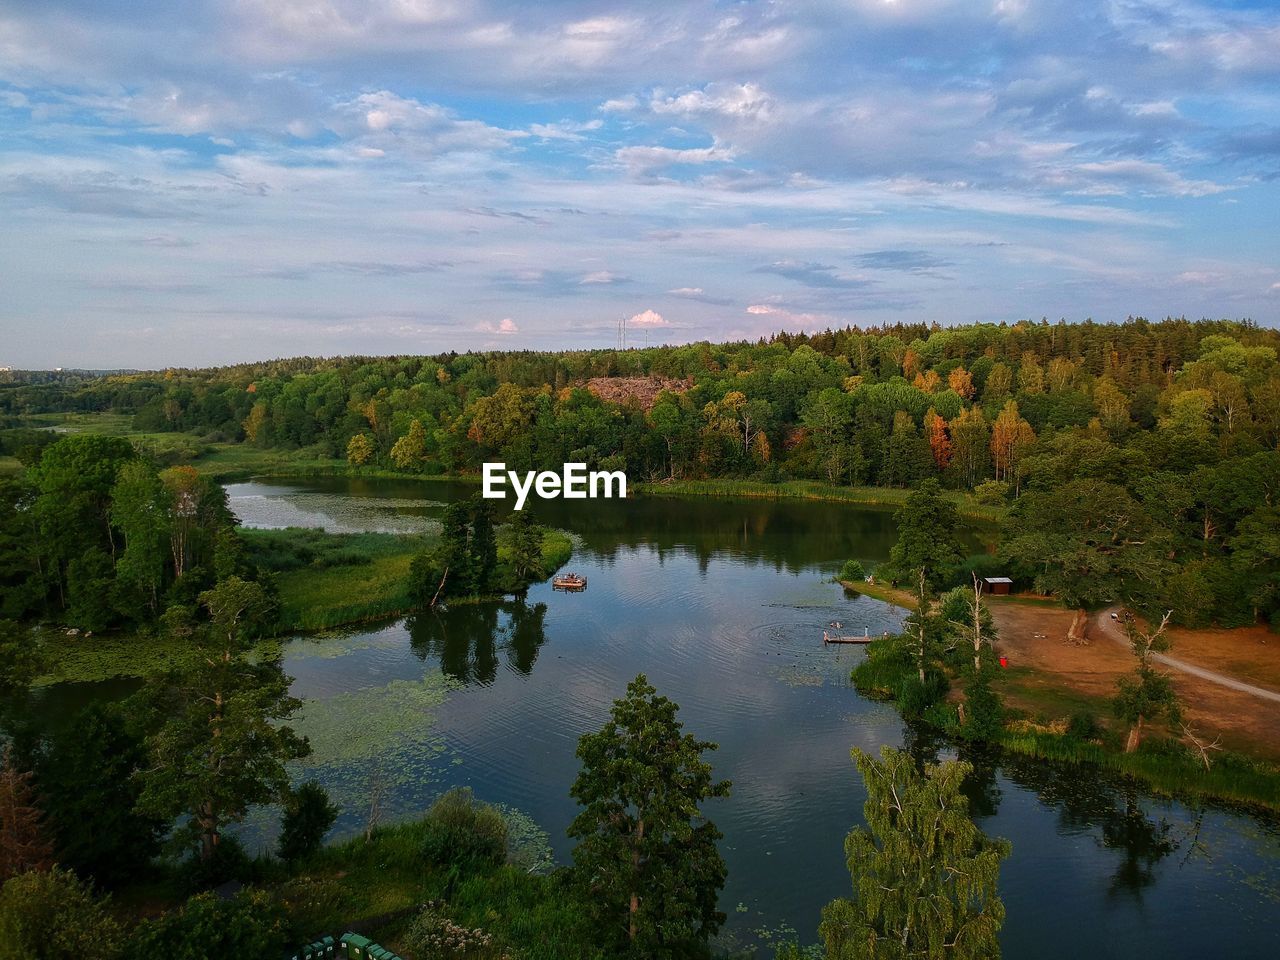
<point x="828" y="637"/>
<point x="569" y="582"/>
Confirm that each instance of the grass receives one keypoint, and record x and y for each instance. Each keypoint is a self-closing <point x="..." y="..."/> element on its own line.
<point x="538" y="915"/>
<point x="1162" y="765"/>
<point x="10" y="466"/>
<point x="966" y="505"/>
<point x="328" y="580"/>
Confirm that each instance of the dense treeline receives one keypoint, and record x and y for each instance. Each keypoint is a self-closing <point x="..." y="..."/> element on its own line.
<point x="99" y="536"/>
<point x="1174" y="424"/>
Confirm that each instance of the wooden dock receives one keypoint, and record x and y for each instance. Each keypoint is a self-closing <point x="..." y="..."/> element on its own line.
<point x="828" y="637"/>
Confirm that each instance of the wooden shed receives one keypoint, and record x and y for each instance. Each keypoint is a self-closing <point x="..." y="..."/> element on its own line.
<point x="997" y="585"/>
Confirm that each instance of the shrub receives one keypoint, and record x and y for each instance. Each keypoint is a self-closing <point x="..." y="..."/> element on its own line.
<point x="852" y="571"/>
<point x="311" y="904"/>
<point x="433" y="936"/>
<point x="249" y="926"/>
<point x="308" y="815"/>
<point x="993" y="493"/>
<point x="462" y="833"/>
<point x="914" y="697"/>
<point x="1084" y="726"/>
<point x="229" y="862"/>
<point x="984" y="711"/>
<point x="55" y="916"/>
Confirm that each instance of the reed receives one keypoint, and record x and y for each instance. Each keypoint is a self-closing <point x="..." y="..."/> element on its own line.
<point x="877" y="497"/>
<point x="1163" y="765"/>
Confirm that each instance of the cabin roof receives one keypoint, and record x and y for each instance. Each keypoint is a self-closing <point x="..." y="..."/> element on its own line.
<point x="997" y="580"/>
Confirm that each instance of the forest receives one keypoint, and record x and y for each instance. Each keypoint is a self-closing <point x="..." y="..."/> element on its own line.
<point x="1156" y="441"/>
<point x="1134" y="463"/>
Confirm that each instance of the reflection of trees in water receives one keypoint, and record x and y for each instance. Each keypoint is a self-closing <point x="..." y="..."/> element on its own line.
<point x="926" y="744"/>
<point x="466" y="638"/>
<point x="1088" y="800"/>
<point x="1110" y="808"/>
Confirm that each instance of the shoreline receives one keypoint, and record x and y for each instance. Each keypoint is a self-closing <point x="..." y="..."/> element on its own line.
<point x="1044" y="704"/>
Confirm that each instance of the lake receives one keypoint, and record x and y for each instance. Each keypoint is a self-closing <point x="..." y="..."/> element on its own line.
<point x="722" y="604"/>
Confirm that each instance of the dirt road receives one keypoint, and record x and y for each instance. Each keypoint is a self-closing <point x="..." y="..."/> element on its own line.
<point x="1104" y="624"/>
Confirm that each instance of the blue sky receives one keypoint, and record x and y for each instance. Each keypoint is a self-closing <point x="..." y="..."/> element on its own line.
<point x="206" y="182"/>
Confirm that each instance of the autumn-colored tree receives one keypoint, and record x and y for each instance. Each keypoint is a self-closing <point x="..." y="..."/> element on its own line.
<point x="23" y="845"/>
<point x="961" y="381"/>
<point x="410" y="450"/>
<point x="935" y="430"/>
<point x="255" y="424"/>
<point x="360" y="449"/>
<point x="911" y="364"/>
<point x="1011" y="438"/>
<point x="929" y="381"/>
<point x="184" y="488"/>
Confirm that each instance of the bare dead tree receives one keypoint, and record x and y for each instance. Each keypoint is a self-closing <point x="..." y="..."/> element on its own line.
<point x="1201" y="745"/>
<point x="436" y="598"/>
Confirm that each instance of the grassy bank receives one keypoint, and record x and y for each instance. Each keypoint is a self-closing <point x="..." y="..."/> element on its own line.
<point x="1162" y="765"/>
<point x="329" y="580"/>
<point x="885" y="497"/>
<point x="389" y="877"/>
<point x="1064" y="726"/>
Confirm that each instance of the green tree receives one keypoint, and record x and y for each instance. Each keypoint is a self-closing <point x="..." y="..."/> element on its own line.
<point x="53" y="915"/>
<point x="22" y="561"/>
<point x="88" y="778"/>
<point x="20" y="662"/>
<point x="484" y="546"/>
<point x="139" y="508"/>
<point x="927" y="537"/>
<point x="924" y="875"/>
<point x="1147" y="694"/>
<point x="645" y="852"/>
<point x="308" y="815"/>
<point x="526" y="547"/>
<point x="1087" y="542"/>
<point x="74" y="480"/>
<point x="410" y="451"/>
<point x="225" y="740"/>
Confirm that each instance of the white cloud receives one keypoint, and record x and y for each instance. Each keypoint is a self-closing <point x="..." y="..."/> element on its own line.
<point x="645" y="161"/>
<point x="504" y="326"/>
<point x="602" y="277"/>
<point x="649" y="318"/>
<point x="565" y="129"/>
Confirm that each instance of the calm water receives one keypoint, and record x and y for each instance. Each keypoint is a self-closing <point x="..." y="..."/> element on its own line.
<point x="722" y="605"/>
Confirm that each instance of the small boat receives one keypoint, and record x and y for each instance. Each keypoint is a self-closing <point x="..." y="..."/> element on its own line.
<point x="569" y="581"/>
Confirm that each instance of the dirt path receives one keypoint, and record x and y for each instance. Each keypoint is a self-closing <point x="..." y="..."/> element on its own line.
<point x="1104" y="624"/>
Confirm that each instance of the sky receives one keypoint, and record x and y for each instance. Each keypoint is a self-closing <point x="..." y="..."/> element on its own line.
<point x="216" y="181"/>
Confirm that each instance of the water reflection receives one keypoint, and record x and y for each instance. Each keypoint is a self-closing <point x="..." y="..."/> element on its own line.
<point x="466" y="638"/>
<point x="1113" y="811"/>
